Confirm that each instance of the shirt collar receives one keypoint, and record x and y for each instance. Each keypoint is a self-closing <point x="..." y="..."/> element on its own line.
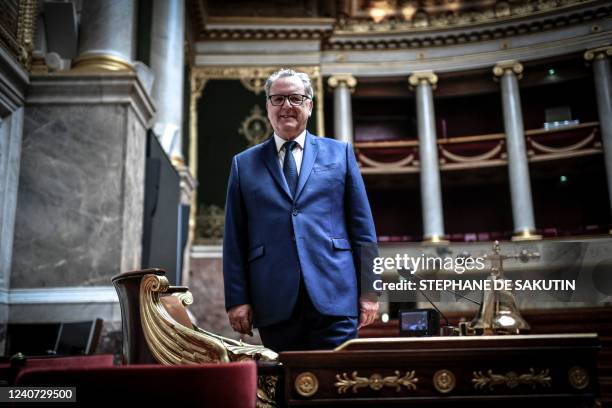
<point x="301" y="139"/>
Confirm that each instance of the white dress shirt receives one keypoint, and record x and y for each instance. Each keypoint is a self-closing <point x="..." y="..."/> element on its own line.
<point x="298" y="151"/>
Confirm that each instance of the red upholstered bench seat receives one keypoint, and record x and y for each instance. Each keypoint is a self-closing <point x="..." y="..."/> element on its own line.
<point x="206" y="385"/>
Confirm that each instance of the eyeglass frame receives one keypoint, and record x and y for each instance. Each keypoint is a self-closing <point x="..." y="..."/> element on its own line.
<point x="286" y="98"/>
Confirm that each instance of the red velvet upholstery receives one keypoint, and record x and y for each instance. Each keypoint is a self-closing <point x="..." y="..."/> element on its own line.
<point x="97" y="360"/>
<point x="17" y="366"/>
<point x="207" y="385"/>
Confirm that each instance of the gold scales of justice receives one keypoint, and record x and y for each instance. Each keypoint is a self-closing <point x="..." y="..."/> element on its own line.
<point x="499" y="312"/>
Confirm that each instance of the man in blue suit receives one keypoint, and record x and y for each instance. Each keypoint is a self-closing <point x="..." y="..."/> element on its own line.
<point x="297" y="225"/>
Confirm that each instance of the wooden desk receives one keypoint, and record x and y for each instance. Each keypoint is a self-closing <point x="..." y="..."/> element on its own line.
<point x="459" y="371"/>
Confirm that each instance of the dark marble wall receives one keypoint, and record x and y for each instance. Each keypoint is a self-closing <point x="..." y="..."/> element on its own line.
<point x="80" y="196"/>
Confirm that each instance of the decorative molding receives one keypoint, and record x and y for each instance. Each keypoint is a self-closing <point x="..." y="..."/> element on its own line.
<point x="99" y="62"/>
<point x="207" y="251"/>
<point x="79" y="89"/>
<point x="306" y="384"/>
<point x="20" y="40"/>
<point x="511" y="379"/>
<point x="376" y="381"/>
<point x="508" y="67"/>
<point x="256" y="128"/>
<point x="598" y="53"/>
<point x="578" y="377"/>
<point x="60" y="295"/>
<point x="258" y="34"/>
<point x="471" y="27"/>
<point x="444" y="381"/>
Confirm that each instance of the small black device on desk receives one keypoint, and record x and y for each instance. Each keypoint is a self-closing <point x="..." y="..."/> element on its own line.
<point x="419" y="322"/>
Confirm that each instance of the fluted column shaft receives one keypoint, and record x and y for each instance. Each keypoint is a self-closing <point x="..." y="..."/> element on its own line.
<point x="518" y="167"/>
<point x="603" y="88"/>
<point x="343" y="85"/>
<point x="431" y="192"/>
<point x="106" y="39"/>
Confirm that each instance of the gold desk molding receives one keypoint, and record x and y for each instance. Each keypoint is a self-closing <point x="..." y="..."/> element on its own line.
<point x="511" y="379"/>
<point x="376" y="381"/>
<point x="451" y="371"/>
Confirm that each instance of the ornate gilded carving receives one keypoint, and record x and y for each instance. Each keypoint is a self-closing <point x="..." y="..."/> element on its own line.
<point x="266" y="391"/>
<point x="444" y="381"/>
<point x="511" y="379"/>
<point x="578" y="377"/>
<point x="423" y="77"/>
<point x="172" y="343"/>
<point x="186" y="298"/>
<point x="18" y="37"/>
<point x="600" y="52"/>
<point x="420" y="15"/>
<point x="306" y="384"/>
<point x="346" y="79"/>
<point x="210" y="224"/>
<point x="256" y="81"/>
<point x="375" y="381"/>
<point x="508" y="67"/>
<point x="255" y="127"/>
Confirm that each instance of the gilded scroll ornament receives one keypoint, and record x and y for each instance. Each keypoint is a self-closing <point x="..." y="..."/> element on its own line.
<point x="172" y="343"/>
<point x="578" y="377"/>
<point x="375" y="381"/>
<point x="444" y="381"/>
<point x="306" y="384"/>
<point x="511" y="379"/>
<point x="255" y="127"/>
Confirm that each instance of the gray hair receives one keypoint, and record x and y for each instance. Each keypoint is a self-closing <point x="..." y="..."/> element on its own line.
<point x="285" y="72"/>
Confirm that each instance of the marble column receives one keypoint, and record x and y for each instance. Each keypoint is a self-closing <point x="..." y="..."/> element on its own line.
<point x="106" y="35"/>
<point x="167" y="55"/>
<point x="509" y="73"/>
<point x="431" y="192"/>
<point x="343" y="85"/>
<point x="600" y="58"/>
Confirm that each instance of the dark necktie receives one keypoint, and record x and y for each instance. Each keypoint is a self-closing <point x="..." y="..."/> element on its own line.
<point x="289" y="167"/>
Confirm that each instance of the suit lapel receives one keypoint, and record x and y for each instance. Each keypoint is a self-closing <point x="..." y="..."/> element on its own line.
<point x="270" y="158"/>
<point x="311" y="149"/>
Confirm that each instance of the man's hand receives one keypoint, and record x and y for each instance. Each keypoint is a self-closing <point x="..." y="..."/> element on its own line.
<point x="241" y="318"/>
<point x="368" y="310"/>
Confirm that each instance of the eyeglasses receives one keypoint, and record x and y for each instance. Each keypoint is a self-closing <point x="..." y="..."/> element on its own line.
<point x="294" y="99"/>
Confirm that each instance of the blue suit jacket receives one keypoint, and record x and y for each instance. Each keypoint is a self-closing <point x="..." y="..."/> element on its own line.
<point x="270" y="237"/>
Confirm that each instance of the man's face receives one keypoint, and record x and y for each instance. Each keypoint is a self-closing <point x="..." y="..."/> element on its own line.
<point x="288" y="121"/>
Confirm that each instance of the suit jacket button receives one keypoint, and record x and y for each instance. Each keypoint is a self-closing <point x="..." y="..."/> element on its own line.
<point x="293" y="238"/>
<point x="295" y="212"/>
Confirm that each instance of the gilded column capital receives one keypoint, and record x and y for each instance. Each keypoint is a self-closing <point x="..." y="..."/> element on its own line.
<point x="598" y="53"/>
<point x="508" y="67"/>
<point x="420" y="77"/>
<point x="347" y="79"/>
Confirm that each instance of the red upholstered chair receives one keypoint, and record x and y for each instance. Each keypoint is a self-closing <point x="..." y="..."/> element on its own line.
<point x="20" y="364"/>
<point x="206" y="385"/>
